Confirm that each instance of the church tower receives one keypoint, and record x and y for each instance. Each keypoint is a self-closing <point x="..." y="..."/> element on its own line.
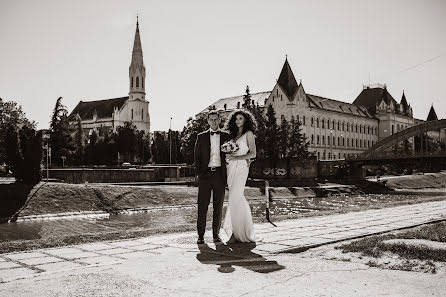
<point x="137" y="70"/>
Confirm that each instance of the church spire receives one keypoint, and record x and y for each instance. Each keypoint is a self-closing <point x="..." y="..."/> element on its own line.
<point x="137" y="70"/>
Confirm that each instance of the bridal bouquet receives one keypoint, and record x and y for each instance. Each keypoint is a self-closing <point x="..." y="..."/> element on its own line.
<point x="229" y="147"/>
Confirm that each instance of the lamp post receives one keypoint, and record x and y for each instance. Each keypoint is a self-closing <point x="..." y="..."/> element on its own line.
<point x="170" y="141"/>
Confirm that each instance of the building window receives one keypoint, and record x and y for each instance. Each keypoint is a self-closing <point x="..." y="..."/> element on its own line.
<point x="368" y="143"/>
<point x="142" y="114"/>
<point x="132" y="114"/>
<point x="323" y="123"/>
<point x="303" y="120"/>
<point x="368" y="129"/>
<point x="312" y="122"/>
<point x="312" y="139"/>
<point x="360" y="143"/>
<point x="333" y="124"/>
<point x="323" y="139"/>
<point x="137" y="82"/>
<point x="348" y="141"/>
<point x="343" y="126"/>
<point x="356" y="142"/>
<point x="348" y="126"/>
<point x="329" y="156"/>
<point x="323" y="155"/>
<point x="131" y="83"/>
<point x="339" y="141"/>
<point x="338" y="126"/>
<point x="343" y="141"/>
<point x="317" y="139"/>
<point x="353" y="143"/>
<point x="328" y="140"/>
<point x="317" y="122"/>
<point x="328" y="124"/>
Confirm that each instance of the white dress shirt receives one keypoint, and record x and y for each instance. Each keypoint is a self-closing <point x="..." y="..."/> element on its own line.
<point x="214" y="160"/>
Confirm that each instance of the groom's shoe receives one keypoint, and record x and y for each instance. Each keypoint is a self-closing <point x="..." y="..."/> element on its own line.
<point x="200" y="240"/>
<point x="217" y="239"/>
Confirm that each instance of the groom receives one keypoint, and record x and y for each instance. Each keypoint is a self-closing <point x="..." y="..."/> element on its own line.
<point x="210" y="166"/>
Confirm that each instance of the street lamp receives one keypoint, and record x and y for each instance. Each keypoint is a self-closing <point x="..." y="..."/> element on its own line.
<point x="170" y="141"/>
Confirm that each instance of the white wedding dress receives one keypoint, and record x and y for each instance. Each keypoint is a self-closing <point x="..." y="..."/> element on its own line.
<point x="238" y="219"/>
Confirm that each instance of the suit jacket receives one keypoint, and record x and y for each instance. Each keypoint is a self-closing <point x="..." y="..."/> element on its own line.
<point x="202" y="152"/>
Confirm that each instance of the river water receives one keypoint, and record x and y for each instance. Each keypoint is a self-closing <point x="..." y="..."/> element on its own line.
<point x="187" y="215"/>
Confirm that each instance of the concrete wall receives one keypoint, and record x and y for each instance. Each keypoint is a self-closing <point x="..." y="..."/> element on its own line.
<point x="284" y="169"/>
<point x="107" y="175"/>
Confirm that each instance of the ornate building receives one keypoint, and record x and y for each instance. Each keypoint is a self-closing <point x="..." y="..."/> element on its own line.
<point x="334" y="129"/>
<point x="115" y="112"/>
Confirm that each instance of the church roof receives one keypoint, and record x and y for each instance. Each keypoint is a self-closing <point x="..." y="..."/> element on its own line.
<point x="338" y="106"/>
<point x="287" y="81"/>
<point x="432" y="116"/>
<point x="231" y="102"/>
<point x="369" y="97"/>
<point x="103" y="108"/>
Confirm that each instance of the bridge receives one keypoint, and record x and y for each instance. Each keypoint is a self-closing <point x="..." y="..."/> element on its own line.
<point x="378" y="151"/>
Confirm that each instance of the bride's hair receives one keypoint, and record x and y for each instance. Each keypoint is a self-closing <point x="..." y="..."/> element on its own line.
<point x="250" y="123"/>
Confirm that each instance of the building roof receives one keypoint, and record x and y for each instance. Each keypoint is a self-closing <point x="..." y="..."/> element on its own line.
<point x="369" y="97"/>
<point x="287" y="81"/>
<point x="231" y="102"/>
<point x="103" y="108"/>
<point x="432" y="116"/>
<point x="338" y="106"/>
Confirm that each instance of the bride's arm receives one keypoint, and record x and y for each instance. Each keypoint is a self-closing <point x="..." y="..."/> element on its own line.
<point x="252" y="148"/>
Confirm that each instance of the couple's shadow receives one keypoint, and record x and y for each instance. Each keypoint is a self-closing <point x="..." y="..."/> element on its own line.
<point x="236" y="254"/>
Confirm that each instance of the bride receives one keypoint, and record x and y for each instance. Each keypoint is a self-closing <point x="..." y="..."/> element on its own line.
<point x="238" y="219"/>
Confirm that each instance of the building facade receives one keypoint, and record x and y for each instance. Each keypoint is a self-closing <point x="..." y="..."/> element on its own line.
<point x="334" y="129"/>
<point x="113" y="113"/>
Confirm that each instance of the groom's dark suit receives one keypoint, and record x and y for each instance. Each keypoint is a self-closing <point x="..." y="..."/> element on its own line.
<point x="209" y="179"/>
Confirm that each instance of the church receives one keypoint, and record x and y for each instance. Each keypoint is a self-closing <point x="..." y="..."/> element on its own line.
<point x="114" y="112"/>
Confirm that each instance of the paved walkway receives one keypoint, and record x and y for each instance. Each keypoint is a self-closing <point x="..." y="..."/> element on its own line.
<point x="288" y="236"/>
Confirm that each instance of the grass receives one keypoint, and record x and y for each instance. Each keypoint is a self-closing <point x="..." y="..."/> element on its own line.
<point x="373" y="246"/>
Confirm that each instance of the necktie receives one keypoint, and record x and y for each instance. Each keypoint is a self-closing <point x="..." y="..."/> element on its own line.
<point x="217" y="132"/>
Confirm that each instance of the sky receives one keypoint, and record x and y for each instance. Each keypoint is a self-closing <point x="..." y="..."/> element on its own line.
<point x="197" y="52"/>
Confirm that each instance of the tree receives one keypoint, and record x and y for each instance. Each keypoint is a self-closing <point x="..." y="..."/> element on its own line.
<point x="271" y="137"/>
<point x="31" y="150"/>
<point x="160" y="149"/>
<point x="79" y="141"/>
<point x="189" y="137"/>
<point x="283" y="138"/>
<point x="298" y="145"/>
<point x="24" y="154"/>
<point x="61" y="141"/>
<point x="259" y="116"/>
<point x="11" y="114"/>
<point x="126" y="141"/>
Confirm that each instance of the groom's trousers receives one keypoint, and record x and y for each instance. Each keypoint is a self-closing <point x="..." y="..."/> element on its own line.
<point x="210" y="181"/>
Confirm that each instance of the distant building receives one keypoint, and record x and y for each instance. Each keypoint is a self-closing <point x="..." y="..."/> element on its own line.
<point x="115" y="112"/>
<point x="334" y="129"/>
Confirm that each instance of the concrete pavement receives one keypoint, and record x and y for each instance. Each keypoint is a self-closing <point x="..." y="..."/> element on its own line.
<point x="174" y="265"/>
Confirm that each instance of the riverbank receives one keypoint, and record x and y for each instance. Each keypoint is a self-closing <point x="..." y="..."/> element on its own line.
<point x="36" y="202"/>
